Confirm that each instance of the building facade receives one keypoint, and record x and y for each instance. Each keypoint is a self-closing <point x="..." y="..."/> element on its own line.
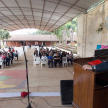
<point x="46" y="40"/>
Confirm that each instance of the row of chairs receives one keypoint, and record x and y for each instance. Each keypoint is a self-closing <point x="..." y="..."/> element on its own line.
<point x="39" y="61"/>
<point x="2" y="64"/>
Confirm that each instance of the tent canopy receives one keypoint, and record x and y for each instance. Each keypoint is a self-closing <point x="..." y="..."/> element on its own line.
<point x="40" y="14"/>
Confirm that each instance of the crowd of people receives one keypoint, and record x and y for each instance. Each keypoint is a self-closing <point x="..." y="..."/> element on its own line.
<point x="53" y="56"/>
<point x="7" y="56"/>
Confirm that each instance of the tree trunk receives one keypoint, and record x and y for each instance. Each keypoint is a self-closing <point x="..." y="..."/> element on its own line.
<point x="3" y="42"/>
<point x="71" y="35"/>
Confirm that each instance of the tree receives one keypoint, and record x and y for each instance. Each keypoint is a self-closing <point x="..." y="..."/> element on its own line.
<point x="59" y="32"/>
<point x="70" y="26"/>
<point x="4" y="34"/>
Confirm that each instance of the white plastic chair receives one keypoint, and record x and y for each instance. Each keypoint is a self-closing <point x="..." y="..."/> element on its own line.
<point x="1" y="63"/>
<point x="44" y="61"/>
<point x="64" y="61"/>
<point x="36" y="61"/>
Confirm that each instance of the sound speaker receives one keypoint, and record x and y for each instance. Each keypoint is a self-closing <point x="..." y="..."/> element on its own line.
<point x="66" y="90"/>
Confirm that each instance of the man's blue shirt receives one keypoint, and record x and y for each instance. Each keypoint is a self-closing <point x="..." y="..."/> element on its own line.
<point x="50" y="57"/>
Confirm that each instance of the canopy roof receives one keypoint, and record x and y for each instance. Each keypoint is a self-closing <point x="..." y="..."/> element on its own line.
<point x="40" y="14"/>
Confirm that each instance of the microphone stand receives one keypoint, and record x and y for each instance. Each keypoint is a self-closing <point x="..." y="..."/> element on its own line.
<point x="29" y="104"/>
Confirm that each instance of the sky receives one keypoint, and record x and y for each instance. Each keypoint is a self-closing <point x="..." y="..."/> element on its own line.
<point x="23" y="31"/>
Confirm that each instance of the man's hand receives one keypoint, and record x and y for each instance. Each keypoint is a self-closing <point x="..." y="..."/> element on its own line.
<point x="85" y="67"/>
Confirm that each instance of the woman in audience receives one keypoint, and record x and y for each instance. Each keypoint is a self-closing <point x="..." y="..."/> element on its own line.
<point x="13" y="50"/>
<point x="4" y="59"/>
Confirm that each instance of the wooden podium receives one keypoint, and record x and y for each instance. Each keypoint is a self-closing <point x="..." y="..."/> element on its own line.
<point x="89" y="88"/>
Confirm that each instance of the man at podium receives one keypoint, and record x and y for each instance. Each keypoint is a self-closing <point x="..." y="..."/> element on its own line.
<point x="98" y="68"/>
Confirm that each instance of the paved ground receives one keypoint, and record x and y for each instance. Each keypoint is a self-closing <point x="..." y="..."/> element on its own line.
<point x="13" y="79"/>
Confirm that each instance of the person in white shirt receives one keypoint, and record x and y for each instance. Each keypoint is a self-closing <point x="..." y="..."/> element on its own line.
<point x="44" y="56"/>
<point x="71" y="55"/>
<point x="54" y="54"/>
<point x="60" y="52"/>
<point x="69" y="58"/>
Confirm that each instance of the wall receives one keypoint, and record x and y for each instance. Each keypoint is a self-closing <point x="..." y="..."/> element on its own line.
<point x="18" y="44"/>
<point x="14" y="43"/>
<point x="88" y="38"/>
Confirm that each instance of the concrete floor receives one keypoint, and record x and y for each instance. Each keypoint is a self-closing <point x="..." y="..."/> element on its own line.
<point x="40" y="80"/>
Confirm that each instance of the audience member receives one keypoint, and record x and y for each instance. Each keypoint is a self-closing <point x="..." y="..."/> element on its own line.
<point x="7" y="60"/>
<point x="44" y="56"/>
<point x="4" y="58"/>
<point x="50" y="60"/>
<point x="11" y="57"/>
<point x="16" y="54"/>
<point x="69" y="58"/>
<point x="57" y="60"/>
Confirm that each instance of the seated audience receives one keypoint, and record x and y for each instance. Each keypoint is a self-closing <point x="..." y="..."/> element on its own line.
<point x="13" y="50"/>
<point x="40" y="53"/>
<point x="4" y="59"/>
<point x="36" y="50"/>
<point x="60" y="52"/>
<point x="71" y="55"/>
<point x="50" y="60"/>
<point x="57" y="60"/>
<point x="47" y="53"/>
<point x="44" y="56"/>
<point x="69" y="58"/>
<point x="11" y="57"/>
<point x="36" y="53"/>
<point x="9" y="50"/>
<point x="63" y="54"/>
<point x="16" y="54"/>
<point x="7" y="60"/>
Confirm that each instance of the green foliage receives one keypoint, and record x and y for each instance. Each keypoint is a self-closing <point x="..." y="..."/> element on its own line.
<point x="59" y="32"/>
<point x="70" y="25"/>
<point x="41" y="32"/>
<point x="74" y="25"/>
<point x="4" y="34"/>
<point x="100" y="27"/>
<point x="54" y="44"/>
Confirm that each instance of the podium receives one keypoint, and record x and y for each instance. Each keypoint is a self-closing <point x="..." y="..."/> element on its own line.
<point x="90" y="89"/>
